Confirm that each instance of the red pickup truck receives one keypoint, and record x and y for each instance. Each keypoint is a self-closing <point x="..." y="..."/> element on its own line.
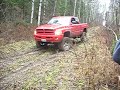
<point x="59" y="31"/>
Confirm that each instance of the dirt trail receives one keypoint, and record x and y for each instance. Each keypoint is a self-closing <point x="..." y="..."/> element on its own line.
<point x="49" y="69"/>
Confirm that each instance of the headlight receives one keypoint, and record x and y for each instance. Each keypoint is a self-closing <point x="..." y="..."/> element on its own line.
<point x="58" y="32"/>
<point x="35" y="32"/>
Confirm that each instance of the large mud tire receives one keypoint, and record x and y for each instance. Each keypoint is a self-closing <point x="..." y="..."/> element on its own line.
<point x="65" y="44"/>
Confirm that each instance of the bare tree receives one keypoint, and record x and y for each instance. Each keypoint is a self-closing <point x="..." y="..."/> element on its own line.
<point x="32" y="12"/>
<point x="79" y="8"/>
<point x="44" y="7"/>
<point x="54" y="8"/>
<point x="113" y="16"/>
<point x="39" y="13"/>
<point x="65" y="6"/>
<point x="75" y="7"/>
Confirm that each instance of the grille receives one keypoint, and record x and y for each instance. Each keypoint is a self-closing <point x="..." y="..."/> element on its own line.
<point x="45" y="31"/>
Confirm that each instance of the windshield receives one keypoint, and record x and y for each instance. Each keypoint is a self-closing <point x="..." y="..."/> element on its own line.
<point x="60" y="21"/>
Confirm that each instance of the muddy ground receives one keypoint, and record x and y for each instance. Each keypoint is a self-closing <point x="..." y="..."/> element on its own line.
<point x="87" y="66"/>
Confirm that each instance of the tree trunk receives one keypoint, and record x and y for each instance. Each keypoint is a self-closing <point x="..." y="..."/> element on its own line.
<point x="32" y="12"/>
<point x="39" y="13"/>
<point x="65" y="7"/>
<point x="44" y="7"/>
<point x="119" y="17"/>
<point x="79" y="9"/>
<point x="54" y="8"/>
<point x="75" y="7"/>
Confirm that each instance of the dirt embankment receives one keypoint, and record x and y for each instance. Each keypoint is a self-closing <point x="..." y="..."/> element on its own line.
<point x="11" y="32"/>
<point x="87" y="66"/>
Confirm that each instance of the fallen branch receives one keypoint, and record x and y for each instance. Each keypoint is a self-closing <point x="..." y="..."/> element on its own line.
<point x="116" y="37"/>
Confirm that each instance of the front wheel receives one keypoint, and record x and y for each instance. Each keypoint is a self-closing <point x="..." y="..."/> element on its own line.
<point x="65" y="44"/>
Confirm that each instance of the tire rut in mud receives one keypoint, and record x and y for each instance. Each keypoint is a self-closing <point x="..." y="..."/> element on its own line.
<point x="40" y="62"/>
<point x="13" y="59"/>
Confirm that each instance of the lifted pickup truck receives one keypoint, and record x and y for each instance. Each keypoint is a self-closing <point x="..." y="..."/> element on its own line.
<point x="59" y="31"/>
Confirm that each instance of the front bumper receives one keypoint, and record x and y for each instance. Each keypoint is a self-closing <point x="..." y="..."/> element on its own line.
<point x="48" y="38"/>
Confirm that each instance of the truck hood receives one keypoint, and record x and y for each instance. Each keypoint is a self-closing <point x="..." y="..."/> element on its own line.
<point x="49" y="26"/>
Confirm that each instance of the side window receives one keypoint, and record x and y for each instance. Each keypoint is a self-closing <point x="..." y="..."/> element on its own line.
<point x="74" y="21"/>
<point x="77" y="20"/>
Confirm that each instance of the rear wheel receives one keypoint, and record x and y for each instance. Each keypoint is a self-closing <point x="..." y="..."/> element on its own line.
<point x="65" y="44"/>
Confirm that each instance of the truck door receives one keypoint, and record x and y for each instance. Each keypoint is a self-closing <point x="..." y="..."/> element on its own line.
<point x="75" y="25"/>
